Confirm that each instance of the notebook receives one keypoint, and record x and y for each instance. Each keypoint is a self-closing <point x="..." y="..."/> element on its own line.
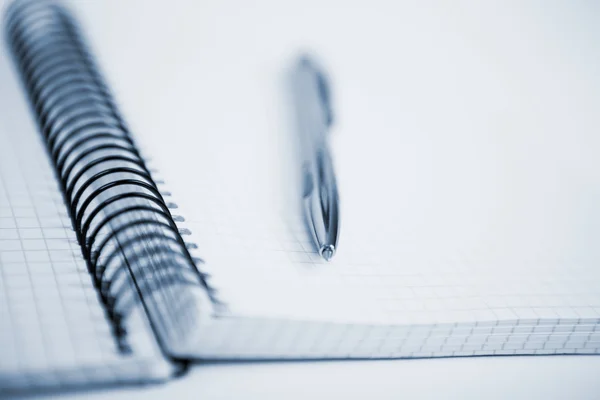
<point x="126" y="258"/>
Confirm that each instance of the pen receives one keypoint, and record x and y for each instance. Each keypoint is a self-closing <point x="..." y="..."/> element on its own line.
<point x="319" y="188"/>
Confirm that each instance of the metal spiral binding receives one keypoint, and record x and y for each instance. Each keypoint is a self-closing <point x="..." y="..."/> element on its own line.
<point x="128" y="237"/>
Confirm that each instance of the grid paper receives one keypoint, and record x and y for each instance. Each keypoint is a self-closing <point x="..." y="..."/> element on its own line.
<point x="286" y="302"/>
<point x="435" y="317"/>
<point x="434" y="260"/>
<point x="246" y="253"/>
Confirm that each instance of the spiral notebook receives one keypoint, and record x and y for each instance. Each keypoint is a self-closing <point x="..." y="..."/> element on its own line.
<point x="107" y="277"/>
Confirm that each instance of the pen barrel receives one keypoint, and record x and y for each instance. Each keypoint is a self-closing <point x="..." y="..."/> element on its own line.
<point x="310" y="119"/>
<point x="320" y="195"/>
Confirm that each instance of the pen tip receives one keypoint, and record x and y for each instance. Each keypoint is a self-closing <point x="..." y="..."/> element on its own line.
<point x="327" y="252"/>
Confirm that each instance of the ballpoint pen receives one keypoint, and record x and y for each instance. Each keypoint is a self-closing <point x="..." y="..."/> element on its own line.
<point x="319" y="188"/>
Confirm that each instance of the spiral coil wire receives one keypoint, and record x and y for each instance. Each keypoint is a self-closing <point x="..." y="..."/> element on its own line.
<point x="128" y="236"/>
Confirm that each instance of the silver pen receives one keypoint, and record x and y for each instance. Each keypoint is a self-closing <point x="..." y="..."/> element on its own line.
<point x="319" y="188"/>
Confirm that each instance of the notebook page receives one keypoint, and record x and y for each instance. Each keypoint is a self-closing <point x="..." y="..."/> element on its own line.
<point x="466" y="154"/>
<point x="54" y="330"/>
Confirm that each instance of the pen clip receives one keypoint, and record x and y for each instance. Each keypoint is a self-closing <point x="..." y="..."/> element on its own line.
<point x="323" y="88"/>
<point x="325" y="95"/>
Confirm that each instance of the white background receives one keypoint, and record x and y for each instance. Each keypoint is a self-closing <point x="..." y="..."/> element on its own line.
<point x="562" y="377"/>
